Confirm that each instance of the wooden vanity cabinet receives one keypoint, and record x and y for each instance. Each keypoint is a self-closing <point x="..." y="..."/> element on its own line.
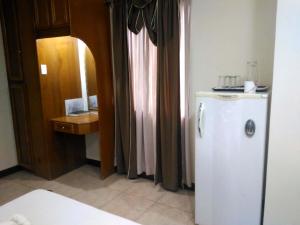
<point x="51" y="18"/>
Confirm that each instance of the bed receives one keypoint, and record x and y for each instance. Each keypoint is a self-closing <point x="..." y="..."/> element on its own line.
<point x="42" y="207"/>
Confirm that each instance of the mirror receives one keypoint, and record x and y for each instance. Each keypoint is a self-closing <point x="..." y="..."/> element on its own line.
<point x="68" y="74"/>
<point x="91" y="79"/>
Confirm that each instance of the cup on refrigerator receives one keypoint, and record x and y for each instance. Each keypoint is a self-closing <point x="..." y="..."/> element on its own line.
<point x="250" y="87"/>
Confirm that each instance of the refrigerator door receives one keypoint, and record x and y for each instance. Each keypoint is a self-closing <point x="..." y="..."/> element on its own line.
<point x="229" y="162"/>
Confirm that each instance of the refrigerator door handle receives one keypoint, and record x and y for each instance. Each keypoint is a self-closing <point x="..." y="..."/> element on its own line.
<point x="200" y="119"/>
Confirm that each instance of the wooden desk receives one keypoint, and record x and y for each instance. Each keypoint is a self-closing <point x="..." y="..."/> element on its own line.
<point x="79" y="125"/>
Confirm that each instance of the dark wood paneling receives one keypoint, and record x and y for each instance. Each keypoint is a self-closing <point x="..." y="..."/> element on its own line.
<point x="90" y="22"/>
<point x="71" y="149"/>
<point x="21" y="124"/>
<point x="18" y="29"/>
<point x="11" y="40"/>
<point x="51" y="18"/>
<point x="59" y="13"/>
<point x="42" y="14"/>
<point x="25" y="12"/>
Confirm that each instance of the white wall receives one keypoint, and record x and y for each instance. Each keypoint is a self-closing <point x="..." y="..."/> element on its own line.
<point x="225" y="34"/>
<point x="283" y="176"/>
<point x="8" y="156"/>
<point x="92" y="146"/>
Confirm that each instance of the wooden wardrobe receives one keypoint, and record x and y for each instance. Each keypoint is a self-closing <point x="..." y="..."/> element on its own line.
<point x="25" y="21"/>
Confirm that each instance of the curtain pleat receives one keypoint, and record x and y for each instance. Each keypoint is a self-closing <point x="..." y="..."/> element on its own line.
<point x="125" y="122"/>
<point x="143" y="13"/>
<point x="169" y="164"/>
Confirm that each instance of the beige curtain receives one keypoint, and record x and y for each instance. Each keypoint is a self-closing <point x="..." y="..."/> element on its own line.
<point x="169" y="151"/>
<point x="143" y="71"/>
<point x="125" y="129"/>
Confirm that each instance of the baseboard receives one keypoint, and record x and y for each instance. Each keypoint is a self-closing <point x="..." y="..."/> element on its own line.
<point x="93" y="162"/>
<point x="10" y="171"/>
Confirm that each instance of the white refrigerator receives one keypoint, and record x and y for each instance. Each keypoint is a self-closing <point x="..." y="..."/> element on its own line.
<point x="230" y="146"/>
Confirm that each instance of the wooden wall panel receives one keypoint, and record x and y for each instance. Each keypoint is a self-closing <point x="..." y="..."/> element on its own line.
<point x="89" y="21"/>
<point x="63" y="79"/>
<point x="61" y="82"/>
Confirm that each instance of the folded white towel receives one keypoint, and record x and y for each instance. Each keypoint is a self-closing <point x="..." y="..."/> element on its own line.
<point x="16" y="220"/>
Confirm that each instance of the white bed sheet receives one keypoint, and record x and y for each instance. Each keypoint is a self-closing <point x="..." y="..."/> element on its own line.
<point x="42" y="207"/>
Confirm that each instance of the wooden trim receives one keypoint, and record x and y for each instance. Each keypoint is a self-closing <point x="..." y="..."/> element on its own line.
<point x="10" y="171"/>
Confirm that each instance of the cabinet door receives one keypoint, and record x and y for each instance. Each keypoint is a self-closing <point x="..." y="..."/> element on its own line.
<point x="21" y="124"/>
<point x="42" y="14"/>
<point x="11" y="39"/>
<point x="51" y="18"/>
<point x="59" y="13"/>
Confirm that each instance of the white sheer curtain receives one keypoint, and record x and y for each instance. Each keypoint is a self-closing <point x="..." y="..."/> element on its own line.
<point x="185" y="12"/>
<point x="143" y="69"/>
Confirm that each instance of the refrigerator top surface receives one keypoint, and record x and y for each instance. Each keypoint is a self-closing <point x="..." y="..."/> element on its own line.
<point x="229" y="95"/>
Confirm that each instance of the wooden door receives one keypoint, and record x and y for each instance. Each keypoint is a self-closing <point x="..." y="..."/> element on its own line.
<point x="17" y="17"/>
<point x="11" y="40"/>
<point x="21" y="124"/>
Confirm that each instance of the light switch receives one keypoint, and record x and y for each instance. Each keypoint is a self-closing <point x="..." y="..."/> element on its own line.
<point x="44" y="69"/>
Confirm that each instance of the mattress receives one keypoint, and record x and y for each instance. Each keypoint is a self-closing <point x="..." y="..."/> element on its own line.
<point x="42" y="207"/>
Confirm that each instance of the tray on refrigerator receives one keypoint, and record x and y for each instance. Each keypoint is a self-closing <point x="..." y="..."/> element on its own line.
<point x="239" y="89"/>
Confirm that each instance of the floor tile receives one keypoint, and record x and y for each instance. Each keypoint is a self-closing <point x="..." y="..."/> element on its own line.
<point x="62" y="189"/>
<point x="11" y="190"/>
<point x="138" y="200"/>
<point x="163" y="215"/>
<point x="118" y="182"/>
<point x="146" y="189"/>
<point x="128" y="206"/>
<point x="183" y="200"/>
<point x="98" y="197"/>
<point x="27" y="179"/>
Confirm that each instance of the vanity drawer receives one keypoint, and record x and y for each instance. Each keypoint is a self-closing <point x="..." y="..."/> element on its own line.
<point x="64" y="127"/>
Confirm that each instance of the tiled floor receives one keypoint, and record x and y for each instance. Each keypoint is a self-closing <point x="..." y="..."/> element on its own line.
<point x="139" y="200"/>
